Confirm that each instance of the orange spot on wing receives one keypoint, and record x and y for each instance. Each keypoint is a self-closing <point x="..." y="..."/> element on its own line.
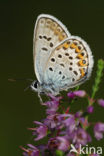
<point x="56" y="32"/>
<point x="77" y="50"/>
<point x="80" y="63"/>
<point x="82" y="72"/>
<point x="73" y="46"/>
<point x="61" y="38"/>
<point x="66" y="45"/>
<point x="79" y="56"/>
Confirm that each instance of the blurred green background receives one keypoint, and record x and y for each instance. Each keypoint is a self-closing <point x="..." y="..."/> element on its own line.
<point x="18" y="109"/>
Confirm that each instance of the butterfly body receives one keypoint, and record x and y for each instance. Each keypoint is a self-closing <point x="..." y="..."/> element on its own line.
<point x="61" y="61"/>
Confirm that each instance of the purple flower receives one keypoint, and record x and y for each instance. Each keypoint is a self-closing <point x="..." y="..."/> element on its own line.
<point x="42" y="149"/>
<point x="71" y="95"/>
<point x="63" y="144"/>
<point x="40" y="131"/>
<point x="80" y="136"/>
<point x="52" y="107"/>
<point x="99" y="130"/>
<point x="51" y="121"/>
<point x="90" y="109"/>
<point x="101" y="102"/>
<point x="55" y="98"/>
<point x="79" y="93"/>
<point x="31" y="151"/>
<point x="52" y="144"/>
<point x="78" y="114"/>
<point x="70" y="124"/>
<point x="64" y="129"/>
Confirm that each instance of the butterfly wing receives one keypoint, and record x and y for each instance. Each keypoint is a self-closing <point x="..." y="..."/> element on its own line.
<point x="48" y="33"/>
<point x="69" y="64"/>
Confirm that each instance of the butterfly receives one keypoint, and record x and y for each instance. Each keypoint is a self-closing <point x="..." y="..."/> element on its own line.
<point x="61" y="61"/>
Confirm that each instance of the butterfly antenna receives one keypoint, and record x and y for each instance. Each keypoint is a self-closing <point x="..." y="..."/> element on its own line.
<point x="19" y="79"/>
<point x="27" y="88"/>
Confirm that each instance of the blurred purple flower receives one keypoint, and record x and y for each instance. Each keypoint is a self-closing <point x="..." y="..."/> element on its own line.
<point x="64" y="128"/>
<point x="79" y="93"/>
<point x="80" y="136"/>
<point x="53" y="144"/>
<point x="63" y="144"/>
<point x="31" y="151"/>
<point x="52" y="107"/>
<point x="40" y="131"/>
<point x="52" y="121"/>
<point x="99" y="130"/>
<point x="71" y="95"/>
<point x="55" y="98"/>
<point x="70" y="124"/>
<point x="101" y="102"/>
<point x="78" y="114"/>
<point x="90" y="109"/>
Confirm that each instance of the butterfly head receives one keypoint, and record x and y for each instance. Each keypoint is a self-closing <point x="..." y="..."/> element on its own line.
<point x="35" y="86"/>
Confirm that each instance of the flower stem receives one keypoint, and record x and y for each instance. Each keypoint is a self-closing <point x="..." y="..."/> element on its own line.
<point x="99" y="73"/>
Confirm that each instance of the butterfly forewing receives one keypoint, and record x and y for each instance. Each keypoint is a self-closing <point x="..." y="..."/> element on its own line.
<point x="69" y="64"/>
<point x="47" y="34"/>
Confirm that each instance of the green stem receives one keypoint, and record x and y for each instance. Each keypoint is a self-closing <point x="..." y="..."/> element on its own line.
<point x="99" y="73"/>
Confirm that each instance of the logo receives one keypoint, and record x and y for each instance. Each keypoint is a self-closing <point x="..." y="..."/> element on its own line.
<point x="86" y="149"/>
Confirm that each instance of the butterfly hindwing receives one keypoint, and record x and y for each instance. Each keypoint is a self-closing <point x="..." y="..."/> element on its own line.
<point x="48" y="33"/>
<point x="69" y="64"/>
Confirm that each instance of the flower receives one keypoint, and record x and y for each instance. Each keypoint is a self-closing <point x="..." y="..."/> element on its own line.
<point x="31" y="151"/>
<point x="101" y="102"/>
<point x="63" y="144"/>
<point x="55" y="98"/>
<point x="52" y="107"/>
<point x="80" y="136"/>
<point x="64" y="128"/>
<point x="53" y="104"/>
<point x="40" y="131"/>
<point x="70" y="124"/>
<point x="79" y="93"/>
<point x="98" y="130"/>
<point x="78" y="114"/>
<point x="90" y="109"/>
<point x="52" y="121"/>
<point x="71" y="95"/>
<point x="52" y="144"/>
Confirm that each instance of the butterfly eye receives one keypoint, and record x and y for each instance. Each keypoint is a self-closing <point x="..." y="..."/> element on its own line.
<point x="35" y="84"/>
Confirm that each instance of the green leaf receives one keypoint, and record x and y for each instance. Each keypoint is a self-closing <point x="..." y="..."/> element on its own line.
<point x="59" y="153"/>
